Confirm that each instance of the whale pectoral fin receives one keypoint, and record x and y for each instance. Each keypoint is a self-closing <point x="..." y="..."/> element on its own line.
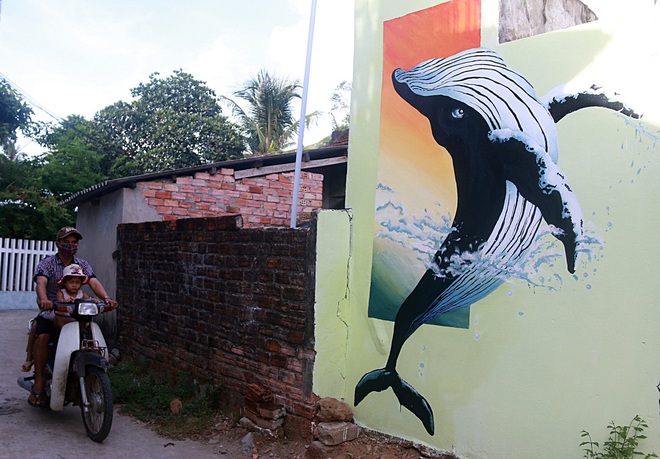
<point x="540" y="181"/>
<point x="561" y="102"/>
<point x="414" y="402"/>
<point x="374" y="381"/>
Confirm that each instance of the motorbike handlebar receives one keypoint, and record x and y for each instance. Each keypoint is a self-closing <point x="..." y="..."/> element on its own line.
<point x="59" y="306"/>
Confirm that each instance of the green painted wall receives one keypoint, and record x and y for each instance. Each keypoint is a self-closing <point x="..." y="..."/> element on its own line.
<point x="536" y="365"/>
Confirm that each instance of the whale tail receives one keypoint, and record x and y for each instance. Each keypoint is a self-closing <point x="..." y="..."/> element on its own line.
<point x="381" y="379"/>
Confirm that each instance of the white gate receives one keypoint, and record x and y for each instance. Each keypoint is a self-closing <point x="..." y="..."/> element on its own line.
<point x="18" y="260"/>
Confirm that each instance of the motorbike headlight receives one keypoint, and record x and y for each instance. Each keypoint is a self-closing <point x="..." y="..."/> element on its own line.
<point x="88" y="309"/>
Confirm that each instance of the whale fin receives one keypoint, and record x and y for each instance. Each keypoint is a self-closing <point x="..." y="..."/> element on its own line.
<point x="374" y="381"/>
<point x="415" y="402"/>
<point x="381" y="379"/>
<point x="548" y="189"/>
<point x="561" y="102"/>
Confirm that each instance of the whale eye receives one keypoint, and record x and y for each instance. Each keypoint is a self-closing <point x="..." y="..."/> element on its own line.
<point x="457" y="113"/>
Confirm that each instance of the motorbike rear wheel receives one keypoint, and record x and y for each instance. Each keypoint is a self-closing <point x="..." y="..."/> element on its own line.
<point x="98" y="419"/>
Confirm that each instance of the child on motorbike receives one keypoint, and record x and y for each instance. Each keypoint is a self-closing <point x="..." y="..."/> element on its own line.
<point x="49" y="270"/>
<point x="72" y="281"/>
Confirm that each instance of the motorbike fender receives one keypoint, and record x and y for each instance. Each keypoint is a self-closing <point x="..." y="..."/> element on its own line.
<point x="84" y="358"/>
<point x="98" y="336"/>
<point x="68" y="343"/>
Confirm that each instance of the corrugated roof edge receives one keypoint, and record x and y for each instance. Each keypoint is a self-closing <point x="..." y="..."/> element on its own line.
<point x="108" y="186"/>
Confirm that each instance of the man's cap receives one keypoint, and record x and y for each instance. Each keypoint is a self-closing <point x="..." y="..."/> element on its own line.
<point x="67" y="231"/>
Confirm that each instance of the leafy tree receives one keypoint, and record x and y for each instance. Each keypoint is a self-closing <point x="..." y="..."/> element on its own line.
<point x="341" y="106"/>
<point x="269" y="123"/>
<point x="27" y="211"/>
<point x="14" y="115"/>
<point x="73" y="162"/>
<point x="172" y="123"/>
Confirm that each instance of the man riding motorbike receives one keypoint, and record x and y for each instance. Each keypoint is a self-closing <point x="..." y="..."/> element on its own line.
<point x="49" y="271"/>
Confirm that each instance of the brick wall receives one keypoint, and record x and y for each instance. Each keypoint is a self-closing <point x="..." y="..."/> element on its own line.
<point x="233" y="306"/>
<point x="262" y="201"/>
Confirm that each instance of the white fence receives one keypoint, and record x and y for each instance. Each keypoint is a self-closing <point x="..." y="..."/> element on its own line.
<point x="18" y="260"/>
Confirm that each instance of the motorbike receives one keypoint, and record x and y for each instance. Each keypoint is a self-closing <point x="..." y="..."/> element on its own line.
<point x="76" y="368"/>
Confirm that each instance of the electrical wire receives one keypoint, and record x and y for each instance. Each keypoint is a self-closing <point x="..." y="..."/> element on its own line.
<point x="33" y="102"/>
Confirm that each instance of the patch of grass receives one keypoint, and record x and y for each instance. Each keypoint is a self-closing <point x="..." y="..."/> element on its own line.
<point x="147" y="396"/>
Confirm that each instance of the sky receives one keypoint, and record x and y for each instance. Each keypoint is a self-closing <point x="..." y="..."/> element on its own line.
<point x="79" y="56"/>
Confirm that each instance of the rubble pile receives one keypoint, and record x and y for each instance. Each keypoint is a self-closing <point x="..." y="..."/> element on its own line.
<point x="262" y="414"/>
<point x="334" y="426"/>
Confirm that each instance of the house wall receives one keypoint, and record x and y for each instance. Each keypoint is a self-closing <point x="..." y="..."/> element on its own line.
<point x="262" y="201"/>
<point x="97" y="221"/>
<point x="233" y="306"/>
<point x="538" y="363"/>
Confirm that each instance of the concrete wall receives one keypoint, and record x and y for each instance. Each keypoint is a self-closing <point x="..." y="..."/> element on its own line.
<point x="539" y="362"/>
<point x="18" y="300"/>
<point x="97" y="220"/>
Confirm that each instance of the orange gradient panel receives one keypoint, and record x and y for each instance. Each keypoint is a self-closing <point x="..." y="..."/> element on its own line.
<point x="410" y="162"/>
<point x="405" y="135"/>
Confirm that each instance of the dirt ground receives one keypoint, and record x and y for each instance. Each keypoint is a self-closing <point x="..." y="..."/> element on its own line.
<point x="62" y="435"/>
<point x="233" y="441"/>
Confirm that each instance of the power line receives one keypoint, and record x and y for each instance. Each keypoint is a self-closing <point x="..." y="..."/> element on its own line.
<point x="63" y="122"/>
<point x="32" y="101"/>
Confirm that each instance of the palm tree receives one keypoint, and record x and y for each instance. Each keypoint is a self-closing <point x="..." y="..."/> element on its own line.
<point x="269" y="122"/>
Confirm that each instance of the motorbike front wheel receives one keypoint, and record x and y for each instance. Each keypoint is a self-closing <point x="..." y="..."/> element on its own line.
<point x="98" y="418"/>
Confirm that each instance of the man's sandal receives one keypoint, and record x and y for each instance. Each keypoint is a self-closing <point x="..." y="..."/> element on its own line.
<point x="27" y="366"/>
<point x="39" y="399"/>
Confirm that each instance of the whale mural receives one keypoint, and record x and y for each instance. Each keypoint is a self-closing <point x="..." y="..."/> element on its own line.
<point x="503" y="144"/>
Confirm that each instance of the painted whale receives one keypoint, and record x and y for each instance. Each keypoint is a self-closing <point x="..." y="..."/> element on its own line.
<point x="503" y="143"/>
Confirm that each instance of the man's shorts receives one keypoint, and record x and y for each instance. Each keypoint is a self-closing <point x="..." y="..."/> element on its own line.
<point x="45" y="326"/>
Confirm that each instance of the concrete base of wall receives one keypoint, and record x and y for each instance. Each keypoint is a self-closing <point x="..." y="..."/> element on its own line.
<point x="17" y="300"/>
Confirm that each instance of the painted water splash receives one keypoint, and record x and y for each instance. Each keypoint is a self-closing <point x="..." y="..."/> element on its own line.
<point x="642" y="131"/>
<point x="423" y="235"/>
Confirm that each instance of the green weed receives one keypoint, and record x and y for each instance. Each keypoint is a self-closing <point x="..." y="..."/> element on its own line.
<point x="622" y="442"/>
<point x="147" y="396"/>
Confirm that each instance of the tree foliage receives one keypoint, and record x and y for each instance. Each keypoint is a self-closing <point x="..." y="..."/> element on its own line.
<point x="28" y="210"/>
<point x="340" y="109"/>
<point x="172" y="123"/>
<point x="268" y="122"/>
<point x="73" y="161"/>
<point x="15" y="115"/>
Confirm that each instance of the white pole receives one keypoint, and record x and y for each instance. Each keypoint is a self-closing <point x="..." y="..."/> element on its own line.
<point x="301" y="123"/>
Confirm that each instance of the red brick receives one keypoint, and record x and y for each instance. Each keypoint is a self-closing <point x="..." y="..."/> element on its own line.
<point x="154" y="185"/>
<point x="258" y="393"/>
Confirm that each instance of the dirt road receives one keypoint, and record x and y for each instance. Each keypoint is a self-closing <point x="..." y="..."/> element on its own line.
<point x="31" y="432"/>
